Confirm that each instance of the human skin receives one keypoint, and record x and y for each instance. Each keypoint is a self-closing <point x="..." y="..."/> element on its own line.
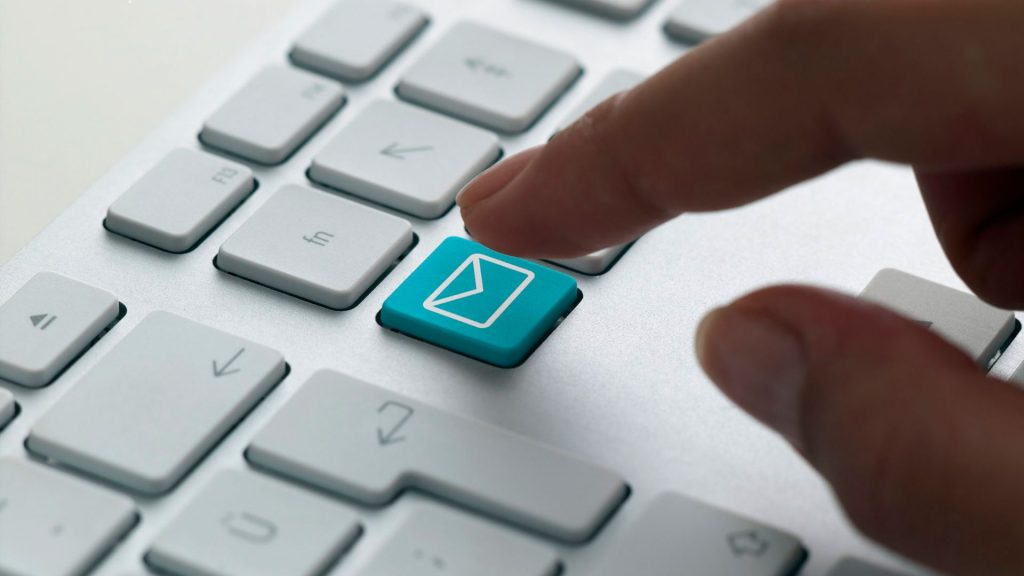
<point x="804" y="87"/>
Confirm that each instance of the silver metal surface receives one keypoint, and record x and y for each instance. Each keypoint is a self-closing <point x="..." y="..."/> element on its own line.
<point x="616" y="383"/>
<point x="853" y="567"/>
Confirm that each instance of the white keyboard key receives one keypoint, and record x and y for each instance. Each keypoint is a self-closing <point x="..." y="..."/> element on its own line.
<point x="272" y="115"/>
<point x="978" y="329"/>
<point x="8" y="407"/>
<point x="406" y="158"/>
<point x="369" y="444"/>
<point x="180" y="200"/>
<point x="620" y="9"/>
<point x="677" y="535"/>
<point x="595" y="263"/>
<point x="316" y="246"/>
<point x="52" y="524"/>
<point x="488" y="77"/>
<point x="47" y="324"/>
<point x="243" y="524"/>
<point x="1018" y="375"/>
<point x="852" y="567"/>
<point x="616" y="81"/>
<point x="697" y="20"/>
<point x="435" y="541"/>
<point x="357" y="37"/>
<point x="161" y="399"/>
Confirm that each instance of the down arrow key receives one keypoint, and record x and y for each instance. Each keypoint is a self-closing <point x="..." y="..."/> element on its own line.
<point x="226" y="370"/>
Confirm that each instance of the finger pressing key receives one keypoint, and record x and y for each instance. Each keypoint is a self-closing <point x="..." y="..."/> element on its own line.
<point x="792" y="93"/>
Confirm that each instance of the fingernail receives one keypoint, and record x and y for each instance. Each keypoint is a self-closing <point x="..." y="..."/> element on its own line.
<point x="493" y="180"/>
<point x="759" y="363"/>
<point x="476" y="190"/>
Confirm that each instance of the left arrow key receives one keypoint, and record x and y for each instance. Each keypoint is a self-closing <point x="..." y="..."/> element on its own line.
<point x="50" y="321"/>
<point x="399" y="152"/>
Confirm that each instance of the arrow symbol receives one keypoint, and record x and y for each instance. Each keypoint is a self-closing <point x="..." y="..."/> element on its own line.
<point x="394" y="151"/>
<point x="480" y="65"/>
<point x="748" y="543"/>
<point x="391" y="436"/>
<point x="44" y="319"/>
<point x="225" y="370"/>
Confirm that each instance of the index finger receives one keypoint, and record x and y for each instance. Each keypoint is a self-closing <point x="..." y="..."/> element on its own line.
<point x="803" y="87"/>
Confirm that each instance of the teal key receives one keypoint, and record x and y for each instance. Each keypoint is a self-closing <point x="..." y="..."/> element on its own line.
<point x="473" y="300"/>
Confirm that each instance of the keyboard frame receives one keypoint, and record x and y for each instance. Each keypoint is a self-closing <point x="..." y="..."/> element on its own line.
<point x="661" y="424"/>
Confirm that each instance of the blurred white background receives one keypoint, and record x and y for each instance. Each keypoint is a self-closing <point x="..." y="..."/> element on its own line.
<point x="82" y="81"/>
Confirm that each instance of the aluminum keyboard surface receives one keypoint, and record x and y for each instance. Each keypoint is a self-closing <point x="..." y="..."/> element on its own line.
<point x="616" y="384"/>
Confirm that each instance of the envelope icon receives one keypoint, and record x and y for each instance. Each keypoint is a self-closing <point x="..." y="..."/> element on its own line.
<point x="479" y="291"/>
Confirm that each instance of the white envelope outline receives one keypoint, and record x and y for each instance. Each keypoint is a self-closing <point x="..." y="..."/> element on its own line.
<point x="433" y="302"/>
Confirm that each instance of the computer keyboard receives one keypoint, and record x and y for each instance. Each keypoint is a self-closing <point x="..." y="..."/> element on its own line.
<point x="264" y="343"/>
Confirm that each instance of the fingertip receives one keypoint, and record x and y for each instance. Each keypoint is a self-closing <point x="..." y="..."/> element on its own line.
<point x="506" y="208"/>
<point x="493" y="180"/>
<point x="758" y="362"/>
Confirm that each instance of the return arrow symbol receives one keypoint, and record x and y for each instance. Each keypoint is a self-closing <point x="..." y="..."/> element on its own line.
<point x="390" y="436"/>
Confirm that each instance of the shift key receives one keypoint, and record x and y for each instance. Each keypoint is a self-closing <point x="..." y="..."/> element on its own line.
<point x="368" y="444"/>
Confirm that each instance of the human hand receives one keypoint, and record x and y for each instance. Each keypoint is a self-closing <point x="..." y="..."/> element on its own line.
<point x="804" y="87"/>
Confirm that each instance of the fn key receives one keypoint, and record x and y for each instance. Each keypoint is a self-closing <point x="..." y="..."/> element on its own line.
<point x="978" y="329"/>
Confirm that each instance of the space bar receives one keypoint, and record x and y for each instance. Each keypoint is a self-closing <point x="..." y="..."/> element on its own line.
<point x="365" y="443"/>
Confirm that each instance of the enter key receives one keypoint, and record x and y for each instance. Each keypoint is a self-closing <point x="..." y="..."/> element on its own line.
<point x="366" y="443"/>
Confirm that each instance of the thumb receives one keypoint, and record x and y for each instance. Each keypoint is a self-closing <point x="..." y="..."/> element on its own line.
<point x="922" y="449"/>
